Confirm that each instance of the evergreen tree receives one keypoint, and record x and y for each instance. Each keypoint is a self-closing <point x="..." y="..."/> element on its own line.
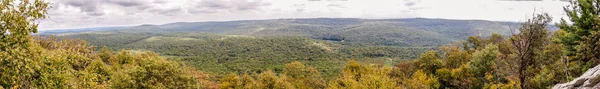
<point x="581" y="37"/>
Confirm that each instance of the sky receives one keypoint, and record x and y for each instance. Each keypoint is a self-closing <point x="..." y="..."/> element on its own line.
<point x="69" y="14"/>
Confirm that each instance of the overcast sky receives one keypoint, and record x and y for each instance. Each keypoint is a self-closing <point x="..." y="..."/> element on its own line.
<point x="67" y="14"/>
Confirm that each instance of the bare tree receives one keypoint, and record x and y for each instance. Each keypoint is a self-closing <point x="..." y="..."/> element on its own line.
<point x="529" y="38"/>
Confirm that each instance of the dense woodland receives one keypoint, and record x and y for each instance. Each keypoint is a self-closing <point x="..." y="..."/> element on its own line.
<point x="532" y="57"/>
<point x="223" y="54"/>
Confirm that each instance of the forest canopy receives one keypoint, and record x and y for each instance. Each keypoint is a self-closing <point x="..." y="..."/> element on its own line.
<point x="531" y="57"/>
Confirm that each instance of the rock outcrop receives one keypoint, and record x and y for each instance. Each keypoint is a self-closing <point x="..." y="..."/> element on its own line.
<point x="589" y="80"/>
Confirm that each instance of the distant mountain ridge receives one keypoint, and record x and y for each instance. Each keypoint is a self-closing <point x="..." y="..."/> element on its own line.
<point x="77" y="30"/>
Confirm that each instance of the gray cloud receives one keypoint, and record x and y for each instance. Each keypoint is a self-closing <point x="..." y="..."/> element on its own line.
<point x="168" y="12"/>
<point x="410" y="2"/>
<point x="328" y="0"/>
<point x="213" y="6"/>
<point x="128" y="3"/>
<point x="336" y="5"/>
<point x="95" y="7"/>
<point x="299" y="7"/>
<point x="522" y="0"/>
<point x="89" y="7"/>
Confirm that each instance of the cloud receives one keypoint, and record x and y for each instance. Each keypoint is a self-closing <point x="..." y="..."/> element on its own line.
<point x="167" y="11"/>
<point x="213" y="6"/>
<point x="565" y="0"/>
<point x="521" y="0"/>
<point x="98" y="7"/>
<point x="335" y="5"/>
<point x="90" y="7"/>
<point x="98" y="13"/>
<point x="129" y="3"/>
<point x="337" y="0"/>
<point x="410" y="2"/>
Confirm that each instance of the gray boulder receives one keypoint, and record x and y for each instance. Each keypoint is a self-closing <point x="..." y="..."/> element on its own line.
<point x="589" y="80"/>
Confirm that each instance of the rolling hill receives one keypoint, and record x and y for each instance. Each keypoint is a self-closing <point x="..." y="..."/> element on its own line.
<point x="325" y="43"/>
<point x="386" y="32"/>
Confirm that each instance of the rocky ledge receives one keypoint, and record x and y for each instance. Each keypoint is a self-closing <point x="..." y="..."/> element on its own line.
<point x="589" y="80"/>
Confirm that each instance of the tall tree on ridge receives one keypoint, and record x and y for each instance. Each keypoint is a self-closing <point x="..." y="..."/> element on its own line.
<point x="529" y="39"/>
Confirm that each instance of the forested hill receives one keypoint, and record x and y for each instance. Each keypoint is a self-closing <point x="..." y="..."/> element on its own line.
<point x="324" y="43"/>
<point x="388" y="32"/>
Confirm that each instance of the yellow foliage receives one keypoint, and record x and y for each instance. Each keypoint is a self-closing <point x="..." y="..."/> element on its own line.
<point x="303" y="77"/>
<point x="268" y="80"/>
<point x="420" y="80"/>
<point x="232" y="81"/>
<point x="510" y="85"/>
<point x="356" y="76"/>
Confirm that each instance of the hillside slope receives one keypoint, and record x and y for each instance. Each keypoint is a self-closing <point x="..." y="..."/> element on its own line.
<point x="325" y="43"/>
<point x="385" y="32"/>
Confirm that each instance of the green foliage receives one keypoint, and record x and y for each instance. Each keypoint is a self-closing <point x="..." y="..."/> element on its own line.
<point x="584" y="15"/>
<point x="65" y="64"/>
<point x="148" y="70"/>
<point x="107" y="56"/>
<point x="429" y="62"/>
<point x="303" y="77"/>
<point x="474" y="43"/>
<point x="18" y="22"/>
<point x="23" y="64"/>
<point x="460" y="77"/>
<point x="223" y="54"/>
<point x="233" y="81"/>
<point x="543" y="79"/>
<point x="455" y="56"/>
<point x="483" y="60"/>
<point x="417" y="32"/>
<point x="259" y="50"/>
<point x="268" y="80"/>
<point x="580" y="38"/>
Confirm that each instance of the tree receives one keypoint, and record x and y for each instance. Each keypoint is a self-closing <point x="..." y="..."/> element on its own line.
<point x="20" y="66"/>
<point x="584" y="16"/>
<point x="148" y="70"/>
<point x="268" y="80"/>
<point x="420" y="80"/>
<point x="495" y="39"/>
<point x="580" y="34"/>
<point x="473" y="43"/>
<point x="483" y="60"/>
<point x="356" y="76"/>
<point x="429" y="62"/>
<point x="454" y="56"/>
<point x="248" y="82"/>
<point x="232" y="81"/>
<point x="531" y="38"/>
<point x="482" y="66"/>
<point x="107" y="56"/>
<point x="17" y="22"/>
<point x="303" y="77"/>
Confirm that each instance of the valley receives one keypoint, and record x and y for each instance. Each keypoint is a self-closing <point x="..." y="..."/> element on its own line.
<point x="324" y="43"/>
